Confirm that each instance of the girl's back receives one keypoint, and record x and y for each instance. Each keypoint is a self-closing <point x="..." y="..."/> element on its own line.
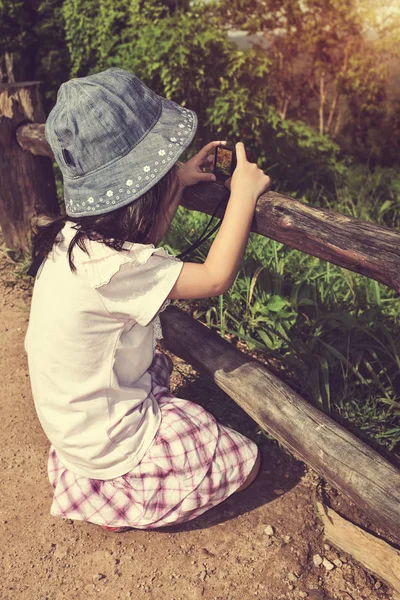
<point x="124" y="451"/>
<point x="88" y="356"/>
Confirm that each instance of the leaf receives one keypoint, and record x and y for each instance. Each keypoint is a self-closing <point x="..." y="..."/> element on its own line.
<point x="276" y="303"/>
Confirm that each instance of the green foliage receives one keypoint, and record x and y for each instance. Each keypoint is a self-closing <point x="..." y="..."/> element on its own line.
<point x="93" y="30"/>
<point x="185" y="56"/>
<point x="335" y="333"/>
<point x="332" y="64"/>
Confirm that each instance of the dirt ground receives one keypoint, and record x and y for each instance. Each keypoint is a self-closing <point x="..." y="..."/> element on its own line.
<point x="224" y="555"/>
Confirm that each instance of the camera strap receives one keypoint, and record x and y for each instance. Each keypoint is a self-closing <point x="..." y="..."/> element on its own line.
<point x="203" y="237"/>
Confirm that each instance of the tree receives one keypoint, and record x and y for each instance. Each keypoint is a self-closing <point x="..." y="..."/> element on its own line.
<point x="329" y="58"/>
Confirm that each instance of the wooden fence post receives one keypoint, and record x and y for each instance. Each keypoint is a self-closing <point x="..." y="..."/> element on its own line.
<point x="27" y="184"/>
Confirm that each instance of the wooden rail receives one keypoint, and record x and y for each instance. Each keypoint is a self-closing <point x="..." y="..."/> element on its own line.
<point x="333" y="452"/>
<point x="360" y="246"/>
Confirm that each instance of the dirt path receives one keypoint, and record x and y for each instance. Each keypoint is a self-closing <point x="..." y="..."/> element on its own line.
<point x="224" y="555"/>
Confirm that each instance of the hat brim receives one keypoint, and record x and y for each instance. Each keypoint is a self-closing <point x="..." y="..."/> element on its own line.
<point x="122" y="181"/>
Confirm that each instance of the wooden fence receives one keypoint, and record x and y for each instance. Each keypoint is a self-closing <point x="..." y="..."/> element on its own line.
<point x="373" y="483"/>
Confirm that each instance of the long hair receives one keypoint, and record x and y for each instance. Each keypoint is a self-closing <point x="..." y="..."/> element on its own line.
<point x="138" y="222"/>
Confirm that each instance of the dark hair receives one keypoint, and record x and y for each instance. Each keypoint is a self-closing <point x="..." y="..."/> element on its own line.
<point x="137" y="222"/>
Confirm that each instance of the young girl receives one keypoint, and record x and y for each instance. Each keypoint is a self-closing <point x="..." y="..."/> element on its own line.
<point x="124" y="451"/>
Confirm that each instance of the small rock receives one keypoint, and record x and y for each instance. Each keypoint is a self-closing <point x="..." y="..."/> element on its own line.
<point x="279" y="492"/>
<point x="269" y="530"/>
<point x="328" y="565"/>
<point x="202" y="575"/>
<point x="317" y="560"/>
<point x="377" y="585"/>
<point x="286" y="539"/>
<point x="303" y="594"/>
<point x="291" y="587"/>
<point x="292" y="577"/>
<point x="69" y="521"/>
<point x="98" y="577"/>
<point x="61" y="551"/>
<point x="337" y="562"/>
<point x="327" y="547"/>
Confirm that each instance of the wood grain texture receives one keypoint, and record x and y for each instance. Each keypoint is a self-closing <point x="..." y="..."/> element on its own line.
<point x="370" y="481"/>
<point x="374" y="554"/>
<point x="32" y="139"/>
<point x="27" y="181"/>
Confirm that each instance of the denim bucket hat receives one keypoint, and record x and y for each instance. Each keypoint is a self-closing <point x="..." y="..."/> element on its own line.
<point x="113" y="139"/>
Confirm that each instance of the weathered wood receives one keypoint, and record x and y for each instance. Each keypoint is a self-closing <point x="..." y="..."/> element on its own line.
<point x="31" y="138"/>
<point x="27" y="181"/>
<point x="337" y="455"/>
<point x="374" y="554"/>
<point x="360" y="246"/>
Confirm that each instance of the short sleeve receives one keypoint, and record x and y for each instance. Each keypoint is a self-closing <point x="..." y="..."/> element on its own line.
<point x="134" y="284"/>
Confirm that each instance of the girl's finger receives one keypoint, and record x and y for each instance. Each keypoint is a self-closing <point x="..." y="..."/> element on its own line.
<point x="206" y="149"/>
<point x="208" y="161"/>
<point x="240" y="153"/>
<point x="206" y="177"/>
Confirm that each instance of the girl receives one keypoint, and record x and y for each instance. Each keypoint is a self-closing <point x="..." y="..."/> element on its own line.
<point x="124" y="451"/>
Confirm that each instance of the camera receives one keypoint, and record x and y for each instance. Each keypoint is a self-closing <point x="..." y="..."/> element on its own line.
<point x="224" y="162"/>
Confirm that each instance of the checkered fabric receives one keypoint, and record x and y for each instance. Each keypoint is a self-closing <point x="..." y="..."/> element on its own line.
<point x="193" y="464"/>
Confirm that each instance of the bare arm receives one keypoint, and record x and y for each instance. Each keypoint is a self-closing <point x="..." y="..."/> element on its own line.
<point x="219" y="270"/>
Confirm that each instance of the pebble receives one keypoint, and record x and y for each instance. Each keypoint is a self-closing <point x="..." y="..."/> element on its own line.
<point x="327" y="547"/>
<point x="286" y="539"/>
<point x="303" y="594"/>
<point x="269" y="530"/>
<point x="317" y="560"/>
<point x="61" y="551"/>
<point x="377" y="585"/>
<point x="98" y="577"/>
<point x="292" y="577"/>
<point x="328" y="565"/>
<point x="279" y="492"/>
<point x="337" y="562"/>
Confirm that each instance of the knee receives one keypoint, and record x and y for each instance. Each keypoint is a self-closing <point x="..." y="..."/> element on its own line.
<point x="252" y="475"/>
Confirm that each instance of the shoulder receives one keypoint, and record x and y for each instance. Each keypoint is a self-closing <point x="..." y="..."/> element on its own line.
<point x="102" y="262"/>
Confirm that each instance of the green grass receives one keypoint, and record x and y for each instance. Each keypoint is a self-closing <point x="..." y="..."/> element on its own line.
<point x="335" y="332"/>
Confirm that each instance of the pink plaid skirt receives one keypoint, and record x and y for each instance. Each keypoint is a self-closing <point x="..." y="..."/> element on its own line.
<point x="193" y="464"/>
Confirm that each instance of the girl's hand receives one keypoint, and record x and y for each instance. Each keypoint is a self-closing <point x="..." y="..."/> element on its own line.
<point x="248" y="178"/>
<point x="190" y="172"/>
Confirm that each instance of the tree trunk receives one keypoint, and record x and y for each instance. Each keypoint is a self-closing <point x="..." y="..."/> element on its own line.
<point x="27" y="181"/>
<point x="9" y="60"/>
<point x="332" y="112"/>
<point x="337" y="455"/>
<point x="322" y="98"/>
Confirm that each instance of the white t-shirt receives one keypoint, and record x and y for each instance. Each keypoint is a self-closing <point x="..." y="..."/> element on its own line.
<point x="90" y="342"/>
